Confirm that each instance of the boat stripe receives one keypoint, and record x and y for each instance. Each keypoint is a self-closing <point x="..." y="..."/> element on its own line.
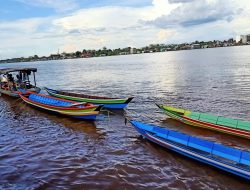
<point x="63" y="112"/>
<point x="87" y="99"/>
<point x="228" y="130"/>
<point x="244" y="133"/>
<point x="216" y="126"/>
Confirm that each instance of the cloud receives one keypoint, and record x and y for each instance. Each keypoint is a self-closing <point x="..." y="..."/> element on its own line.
<point x="20" y="38"/>
<point x="89" y="28"/>
<point x="58" y="5"/>
<point x="75" y="31"/>
<point x="113" y="18"/>
<point x="113" y="26"/>
<point x="180" y="1"/>
<point x="22" y="26"/>
<point x="161" y="21"/>
<point x="165" y="34"/>
<point x="196" y="13"/>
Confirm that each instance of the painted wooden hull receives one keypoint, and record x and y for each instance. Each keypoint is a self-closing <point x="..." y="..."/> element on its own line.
<point x="184" y="118"/>
<point x="111" y="103"/>
<point x="222" y="157"/>
<point x="88" y="111"/>
<point x="15" y="94"/>
<point x="9" y="93"/>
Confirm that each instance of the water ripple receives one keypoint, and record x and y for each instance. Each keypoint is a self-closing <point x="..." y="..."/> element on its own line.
<point x="42" y="151"/>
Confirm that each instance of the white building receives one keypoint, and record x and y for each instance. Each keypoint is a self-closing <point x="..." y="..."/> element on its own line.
<point x="238" y="38"/>
<point x="243" y="38"/>
<point x="133" y="50"/>
<point x="195" y="46"/>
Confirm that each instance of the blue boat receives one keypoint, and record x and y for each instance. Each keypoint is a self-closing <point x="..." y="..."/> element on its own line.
<point x="223" y="157"/>
<point x="58" y="106"/>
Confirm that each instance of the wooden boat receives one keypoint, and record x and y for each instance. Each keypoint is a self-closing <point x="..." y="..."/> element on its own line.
<point x="107" y="102"/>
<point x="229" y="159"/>
<point x="9" y="85"/>
<point x="208" y="121"/>
<point x="59" y="106"/>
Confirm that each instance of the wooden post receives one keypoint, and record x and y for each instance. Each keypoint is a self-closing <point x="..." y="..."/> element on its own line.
<point x="34" y="78"/>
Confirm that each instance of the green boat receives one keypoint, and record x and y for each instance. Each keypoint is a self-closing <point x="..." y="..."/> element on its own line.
<point x="107" y="102"/>
<point x="222" y="124"/>
<point x="9" y="84"/>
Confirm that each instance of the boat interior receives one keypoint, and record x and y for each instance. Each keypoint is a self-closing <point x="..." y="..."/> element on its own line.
<point x="12" y="79"/>
<point x="82" y="95"/>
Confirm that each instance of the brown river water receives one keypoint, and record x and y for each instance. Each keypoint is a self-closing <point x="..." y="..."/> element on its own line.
<point x="43" y="151"/>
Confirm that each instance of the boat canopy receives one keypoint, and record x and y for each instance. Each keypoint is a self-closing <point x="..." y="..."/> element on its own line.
<point x="9" y="70"/>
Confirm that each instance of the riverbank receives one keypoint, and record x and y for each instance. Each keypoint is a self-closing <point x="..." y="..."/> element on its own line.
<point x="128" y="50"/>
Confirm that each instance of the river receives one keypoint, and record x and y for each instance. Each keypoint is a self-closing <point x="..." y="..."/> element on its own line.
<point x="43" y="151"/>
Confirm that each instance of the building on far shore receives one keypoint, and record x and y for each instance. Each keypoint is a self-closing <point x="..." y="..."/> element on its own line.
<point x="86" y="53"/>
<point x="133" y="50"/>
<point x="244" y="39"/>
<point x="195" y="46"/>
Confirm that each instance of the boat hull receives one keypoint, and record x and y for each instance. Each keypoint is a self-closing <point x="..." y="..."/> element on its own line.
<point x="113" y="106"/>
<point x="196" y="155"/>
<point x="206" y="125"/>
<point x="15" y="94"/>
<point x="89" y="113"/>
<point x="87" y="117"/>
<point x="109" y="103"/>
<point x="9" y="93"/>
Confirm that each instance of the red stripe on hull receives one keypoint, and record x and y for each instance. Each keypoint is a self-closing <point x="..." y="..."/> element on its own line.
<point x="219" y="128"/>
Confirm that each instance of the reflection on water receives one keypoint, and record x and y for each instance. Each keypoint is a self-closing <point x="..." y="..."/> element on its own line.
<point x="43" y="151"/>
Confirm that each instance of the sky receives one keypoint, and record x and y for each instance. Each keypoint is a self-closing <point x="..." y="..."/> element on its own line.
<point x="41" y="27"/>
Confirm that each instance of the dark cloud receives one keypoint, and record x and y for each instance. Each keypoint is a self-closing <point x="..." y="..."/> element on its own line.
<point x="134" y="27"/>
<point x="86" y="31"/>
<point x="197" y="12"/>
<point x="100" y="29"/>
<point x="75" y="31"/>
<point x="197" y="21"/>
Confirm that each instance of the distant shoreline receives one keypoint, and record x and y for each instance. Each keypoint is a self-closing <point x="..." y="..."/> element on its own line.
<point x="126" y="51"/>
